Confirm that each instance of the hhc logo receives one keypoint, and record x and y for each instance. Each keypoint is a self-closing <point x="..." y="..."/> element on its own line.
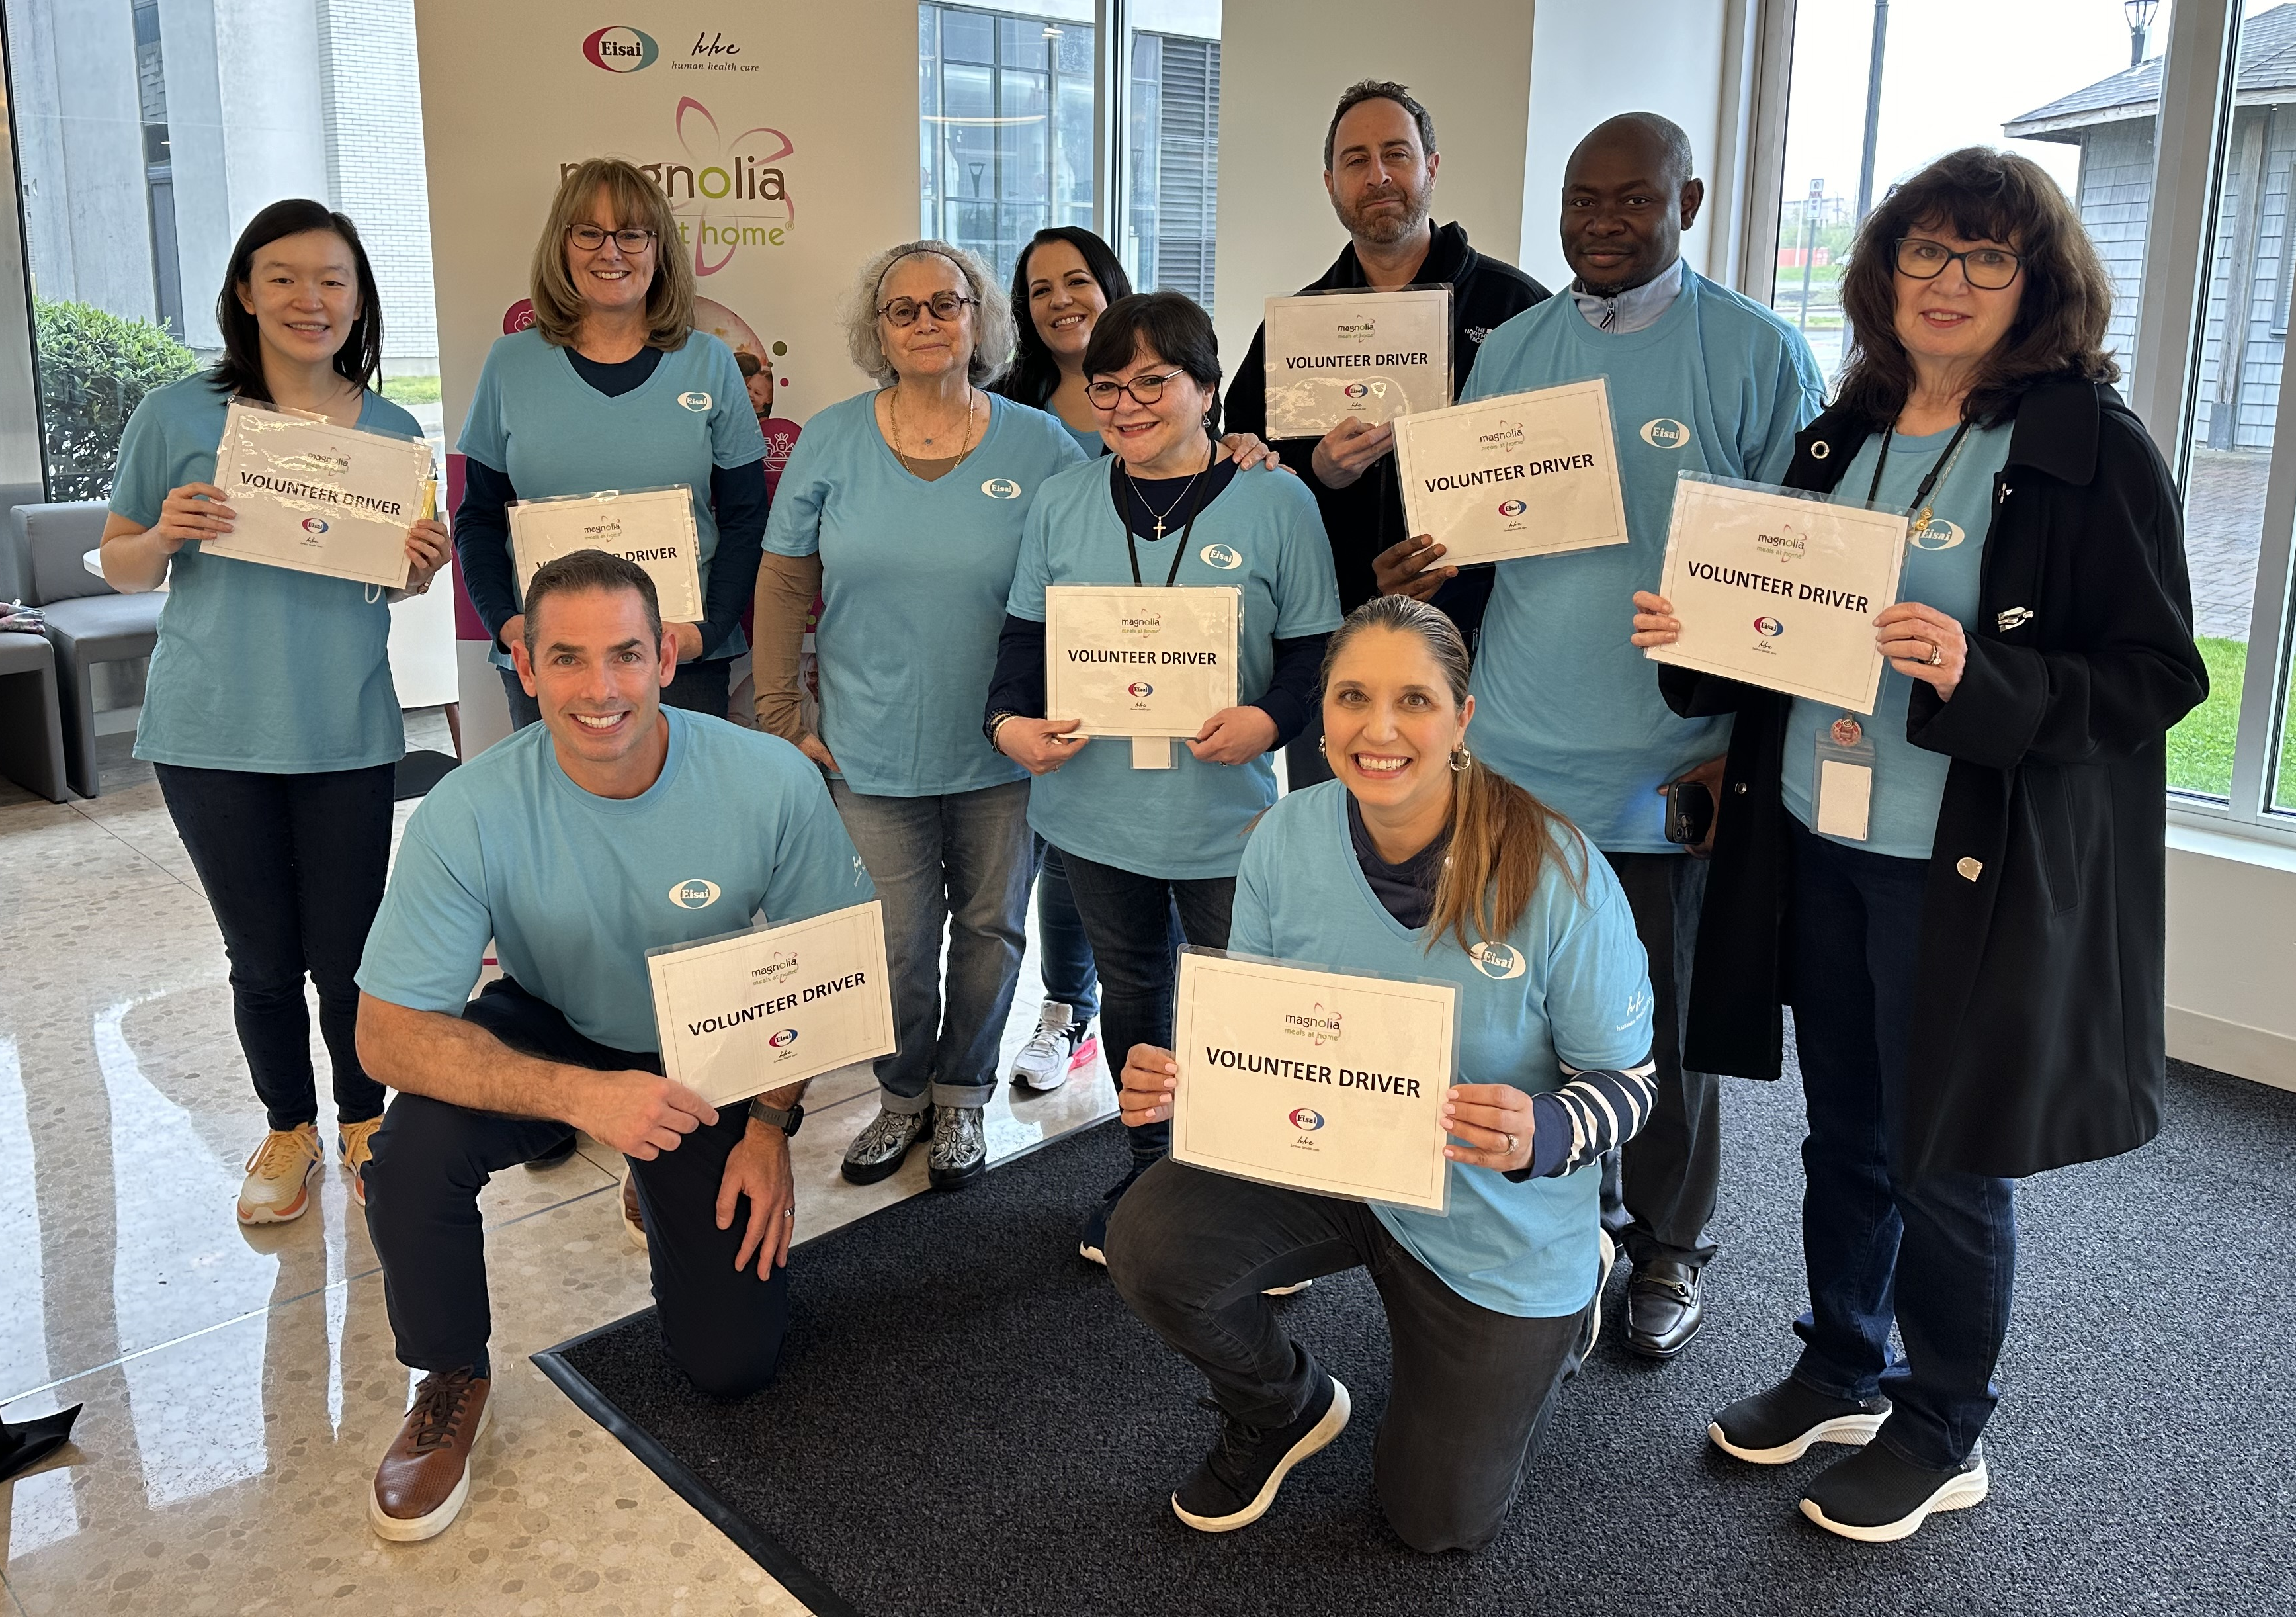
<point x="618" y="49"/>
<point x="695" y="892"/>
<point x="311" y="524"/>
<point x="1665" y="434"/>
<point x="1306" y="1120"/>
<point x="1511" y="507"/>
<point x="1769" y="629"/>
<point x="1140" y="687"/>
<point x="784" y="1039"/>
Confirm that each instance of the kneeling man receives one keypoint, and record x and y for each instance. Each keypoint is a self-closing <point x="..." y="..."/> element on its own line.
<point x="614" y="826"/>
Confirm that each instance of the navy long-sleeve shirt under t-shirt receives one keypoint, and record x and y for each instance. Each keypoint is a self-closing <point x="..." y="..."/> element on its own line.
<point x="737" y="497"/>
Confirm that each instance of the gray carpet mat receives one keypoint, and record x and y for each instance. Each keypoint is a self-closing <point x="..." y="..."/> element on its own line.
<point x="969" y="1422"/>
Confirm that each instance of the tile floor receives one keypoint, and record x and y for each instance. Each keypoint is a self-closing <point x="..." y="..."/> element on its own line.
<point x="239" y="1384"/>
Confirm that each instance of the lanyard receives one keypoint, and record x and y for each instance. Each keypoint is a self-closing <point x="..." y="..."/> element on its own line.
<point x="1921" y="495"/>
<point x="1117" y="487"/>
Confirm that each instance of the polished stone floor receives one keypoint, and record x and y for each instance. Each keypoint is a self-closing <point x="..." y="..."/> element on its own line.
<point x="239" y="1383"/>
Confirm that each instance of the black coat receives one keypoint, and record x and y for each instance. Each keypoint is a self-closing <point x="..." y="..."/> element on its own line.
<point x="2037" y="1039"/>
<point x="1367" y="516"/>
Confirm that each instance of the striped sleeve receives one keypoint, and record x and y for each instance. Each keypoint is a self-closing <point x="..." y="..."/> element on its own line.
<point x="1591" y="1113"/>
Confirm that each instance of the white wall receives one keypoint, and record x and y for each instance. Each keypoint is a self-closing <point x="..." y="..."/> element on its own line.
<point x="1282" y="65"/>
<point x="2232" y="955"/>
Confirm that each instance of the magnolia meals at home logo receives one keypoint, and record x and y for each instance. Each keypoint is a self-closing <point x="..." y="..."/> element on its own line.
<point x="1788" y="545"/>
<point x="780" y="968"/>
<point x="1316" y="1025"/>
<point x="619" y="48"/>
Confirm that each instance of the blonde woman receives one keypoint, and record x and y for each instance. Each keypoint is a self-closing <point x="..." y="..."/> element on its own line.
<point x="902" y="508"/>
<point x="612" y="388"/>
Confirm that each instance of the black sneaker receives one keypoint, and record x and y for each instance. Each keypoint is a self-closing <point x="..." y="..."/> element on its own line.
<point x="1877" y="1496"/>
<point x="1092" y="1241"/>
<point x="1238" y="1479"/>
<point x="1778" y="1427"/>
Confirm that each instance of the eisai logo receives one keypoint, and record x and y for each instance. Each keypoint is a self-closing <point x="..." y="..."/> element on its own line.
<point x="1001" y="488"/>
<point x="695" y="892"/>
<point x="1511" y="507"/>
<point x="1769" y="629"/>
<point x="1665" y="434"/>
<point x="1141" y="688"/>
<point x="620" y="49"/>
<point x="1936" y="535"/>
<point x="1497" y="960"/>
<point x="311" y="524"/>
<point x="1220" y="556"/>
<point x="1356" y="390"/>
<point x="1306" y="1120"/>
<point x="784" y="1039"/>
<point x="695" y="402"/>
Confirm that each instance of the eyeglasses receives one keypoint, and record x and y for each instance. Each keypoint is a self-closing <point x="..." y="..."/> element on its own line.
<point x="1142" y="389"/>
<point x="589" y="238"/>
<point x="945" y="306"/>
<point x="1989" y="269"/>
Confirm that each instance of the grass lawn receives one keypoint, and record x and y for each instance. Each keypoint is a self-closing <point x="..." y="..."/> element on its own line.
<point x="2200" y="749"/>
<point x="411" y="389"/>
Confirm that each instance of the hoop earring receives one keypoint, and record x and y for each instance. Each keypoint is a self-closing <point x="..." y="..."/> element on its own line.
<point x="1460" y="761"/>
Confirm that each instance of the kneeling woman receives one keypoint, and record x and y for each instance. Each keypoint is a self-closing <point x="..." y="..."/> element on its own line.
<point x="1416" y="861"/>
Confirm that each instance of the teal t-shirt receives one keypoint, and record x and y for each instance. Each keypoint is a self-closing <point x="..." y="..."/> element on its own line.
<point x="534" y="419"/>
<point x="574" y="889"/>
<point x="914" y="578"/>
<point x="1570" y="984"/>
<point x="1261" y="535"/>
<point x="260" y="669"/>
<point x="1564" y="703"/>
<point x="1942" y="570"/>
<point x="1092" y="443"/>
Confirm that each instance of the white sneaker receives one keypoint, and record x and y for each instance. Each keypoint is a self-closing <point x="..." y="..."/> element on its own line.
<point x="1058" y="1048"/>
<point x="279" y="1170"/>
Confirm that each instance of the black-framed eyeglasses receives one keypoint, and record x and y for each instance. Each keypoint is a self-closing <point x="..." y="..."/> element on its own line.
<point x="945" y="306"/>
<point x="1144" y="389"/>
<point x="589" y="238"/>
<point x="1989" y="269"/>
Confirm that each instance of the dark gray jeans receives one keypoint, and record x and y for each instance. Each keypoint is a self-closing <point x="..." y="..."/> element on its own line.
<point x="1192" y="1252"/>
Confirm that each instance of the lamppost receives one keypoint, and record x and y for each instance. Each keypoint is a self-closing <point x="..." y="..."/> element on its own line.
<point x="2139" y="13"/>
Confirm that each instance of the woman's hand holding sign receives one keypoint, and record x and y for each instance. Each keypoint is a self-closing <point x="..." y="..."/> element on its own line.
<point x="1038" y="745"/>
<point x="1494" y="1121"/>
<point x="1234" y="735"/>
<point x="1655" y="623"/>
<point x="1144" y="1090"/>
<point x="1924" y="642"/>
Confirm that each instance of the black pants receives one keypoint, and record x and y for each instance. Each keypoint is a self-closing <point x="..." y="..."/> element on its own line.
<point x="1659" y="1190"/>
<point x="293" y="865"/>
<point x="1192" y="1252"/>
<point x="1128" y="917"/>
<point x="724" y="1326"/>
<point x="1304" y="763"/>
<point x="699" y="687"/>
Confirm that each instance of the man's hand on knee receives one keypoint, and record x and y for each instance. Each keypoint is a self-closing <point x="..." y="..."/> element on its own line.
<point x="759" y="1168"/>
<point x="639" y="1114"/>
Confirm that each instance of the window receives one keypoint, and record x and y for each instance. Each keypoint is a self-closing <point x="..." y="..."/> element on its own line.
<point x="1174" y="150"/>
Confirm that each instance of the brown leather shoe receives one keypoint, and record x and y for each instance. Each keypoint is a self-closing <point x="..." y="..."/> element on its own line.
<point x="633" y="1215"/>
<point x="425" y="1473"/>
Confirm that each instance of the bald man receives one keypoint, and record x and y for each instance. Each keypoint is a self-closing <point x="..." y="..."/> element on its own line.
<point x="1700" y="380"/>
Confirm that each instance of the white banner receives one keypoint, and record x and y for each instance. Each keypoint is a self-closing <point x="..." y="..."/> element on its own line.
<point x="1132" y="659"/>
<point x="1315" y="1080"/>
<point x="1779" y="588"/>
<point x="1371" y="355"/>
<point x="1526" y="475"/>
<point x="317" y="497"/>
<point x="755" y="1011"/>
<point x="651" y="527"/>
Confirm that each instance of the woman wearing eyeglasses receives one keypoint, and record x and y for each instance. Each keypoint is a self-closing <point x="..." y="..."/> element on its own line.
<point x="1167" y="507"/>
<point x="902" y="509"/>
<point x="612" y="388"/>
<point x="1961" y="894"/>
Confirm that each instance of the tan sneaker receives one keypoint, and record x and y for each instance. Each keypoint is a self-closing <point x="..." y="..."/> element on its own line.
<point x="425" y="1475"/>
<point x="633" y="1214"/>
<point x="278" y="1176"/>
<point x="355" y="1147"/>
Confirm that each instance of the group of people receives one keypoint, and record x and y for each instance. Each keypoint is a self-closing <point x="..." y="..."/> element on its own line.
<point x="1481" y="763"/>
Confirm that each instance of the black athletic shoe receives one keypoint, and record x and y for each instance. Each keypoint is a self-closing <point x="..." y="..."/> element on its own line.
<point x="553" y="1157"/>
<point x="1238" y="1479"/>
<point x="1778" y="1427"/>
<point x="1878" y="1497"/>
<point x="1092" y="1241"/>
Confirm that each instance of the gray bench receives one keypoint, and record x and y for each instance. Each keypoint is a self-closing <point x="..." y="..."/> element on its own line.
<point x="31" y="737"/>
<point x="89" y="622"/>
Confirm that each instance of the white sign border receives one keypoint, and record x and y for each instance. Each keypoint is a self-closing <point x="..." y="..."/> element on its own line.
<point x="1406" y="426"/>
<point x="690" y="578"/>
<point x="227" y="467"/>
<point x="1056" y="593"/>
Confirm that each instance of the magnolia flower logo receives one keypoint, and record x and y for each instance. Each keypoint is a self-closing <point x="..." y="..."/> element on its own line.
<point x="737" y="198"/>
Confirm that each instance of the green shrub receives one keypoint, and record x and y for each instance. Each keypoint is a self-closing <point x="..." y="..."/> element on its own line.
<point x="94" y="369"/>
<point x="410" y="390"/>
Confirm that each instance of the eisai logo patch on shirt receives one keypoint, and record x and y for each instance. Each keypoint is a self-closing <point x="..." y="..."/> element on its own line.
<point x="1665" y="434"/>
<point x="695" y="892"/>
<point x="1220" y="556"/>
<point x="1499" y="960"/>
<point x="696" y="402"/>
<point x="1936" y="534"/>
<point x="1001" y="488"/>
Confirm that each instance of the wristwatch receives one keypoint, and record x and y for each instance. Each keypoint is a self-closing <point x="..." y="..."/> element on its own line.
<point x="773" y="1117"/>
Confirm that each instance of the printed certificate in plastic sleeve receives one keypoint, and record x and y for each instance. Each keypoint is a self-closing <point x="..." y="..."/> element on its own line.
<point x="1778" y="588"/>
<point x="1316" y="1079"/>
<point x="1525" y="474"/>
<point x="652" y="527"/>
<point x="753" y="1011"/>
<point x="1134" y="659"/>
<point x="317" y="497"/>
<point x="1373" y="356"/>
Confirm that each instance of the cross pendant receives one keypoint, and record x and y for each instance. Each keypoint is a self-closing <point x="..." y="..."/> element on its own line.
<point x="1160" y="528"/>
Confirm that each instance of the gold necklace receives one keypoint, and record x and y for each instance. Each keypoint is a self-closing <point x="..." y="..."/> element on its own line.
<point x="893" y="410"/>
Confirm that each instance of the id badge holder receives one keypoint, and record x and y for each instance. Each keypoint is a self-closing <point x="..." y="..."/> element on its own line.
<point x="1842" y="785"/>
<point x="1153" y="752"/>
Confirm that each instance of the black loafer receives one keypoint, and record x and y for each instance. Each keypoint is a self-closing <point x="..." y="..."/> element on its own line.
<point x="1663" y="1310"/>
<point x="561" y="1152"/>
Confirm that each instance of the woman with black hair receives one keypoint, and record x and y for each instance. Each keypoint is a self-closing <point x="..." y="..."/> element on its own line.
<point x="268" y="714"/>
<point x="1166" y="507"/>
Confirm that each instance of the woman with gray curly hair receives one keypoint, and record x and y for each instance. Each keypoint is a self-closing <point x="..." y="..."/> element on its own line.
<point x="901" y="510"/>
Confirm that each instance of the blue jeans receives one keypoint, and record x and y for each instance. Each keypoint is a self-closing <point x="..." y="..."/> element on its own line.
<point x="957" y="865"/>
<point x="1070" y="979"/>
<point x="1128" y="917"/>
<point x="1937" y="1254"/>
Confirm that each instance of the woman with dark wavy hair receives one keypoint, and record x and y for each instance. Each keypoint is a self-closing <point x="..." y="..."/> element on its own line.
<point x="1962" y="896"/>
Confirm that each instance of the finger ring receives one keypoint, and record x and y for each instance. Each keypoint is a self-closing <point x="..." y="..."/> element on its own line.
<point x="1512" y="1148"/>
<point x="789" y="1212"/>
<point x="1937" y="655"/>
